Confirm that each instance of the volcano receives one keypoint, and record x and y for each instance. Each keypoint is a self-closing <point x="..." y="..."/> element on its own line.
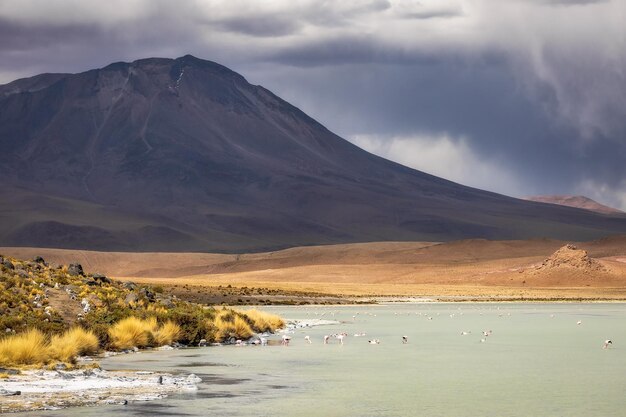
<point x="185" y="155"/>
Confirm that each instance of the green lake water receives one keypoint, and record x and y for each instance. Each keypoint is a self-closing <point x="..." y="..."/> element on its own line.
<point x="537" y="362"/>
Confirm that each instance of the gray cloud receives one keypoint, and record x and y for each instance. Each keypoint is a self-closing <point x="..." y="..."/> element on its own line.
<point x="264" y="26"/>
<point x="533" y="92"/>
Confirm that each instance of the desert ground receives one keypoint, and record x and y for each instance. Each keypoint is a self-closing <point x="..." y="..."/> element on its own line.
<point x="475" y="269"/>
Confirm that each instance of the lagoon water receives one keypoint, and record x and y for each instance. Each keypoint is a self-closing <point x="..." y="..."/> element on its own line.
<point x="537" y="362"/>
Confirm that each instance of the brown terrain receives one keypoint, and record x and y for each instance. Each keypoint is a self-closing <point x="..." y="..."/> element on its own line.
<point x="468" y="269"/>
<point x="577" y="201"/>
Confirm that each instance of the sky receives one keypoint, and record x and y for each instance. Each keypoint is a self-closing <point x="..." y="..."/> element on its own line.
<point x="518" y="97"/>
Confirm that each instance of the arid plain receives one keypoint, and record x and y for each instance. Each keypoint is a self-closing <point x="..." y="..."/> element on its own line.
<point x="460" y="270"/>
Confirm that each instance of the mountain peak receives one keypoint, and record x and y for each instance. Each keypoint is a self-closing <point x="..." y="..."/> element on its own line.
<point x="184" y="155"/>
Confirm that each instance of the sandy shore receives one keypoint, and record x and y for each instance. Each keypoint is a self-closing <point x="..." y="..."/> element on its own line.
<point x="45" y="390"/>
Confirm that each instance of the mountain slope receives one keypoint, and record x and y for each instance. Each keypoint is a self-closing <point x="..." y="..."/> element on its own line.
<point x="578" y="201"/>
<point x="186" y="155"/>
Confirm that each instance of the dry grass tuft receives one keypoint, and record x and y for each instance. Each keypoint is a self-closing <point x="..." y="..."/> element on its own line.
<point x="28" y="348"/>
<point x="262" y="321"/>
<point x="229" y="324"/>
<point x="73" y="343"/>
<point x="168" y="333"/>
<point x="132" y="332"/>
<point x="242" y="328"/>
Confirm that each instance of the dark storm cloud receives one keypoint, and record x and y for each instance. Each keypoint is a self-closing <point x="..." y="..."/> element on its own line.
<point x="517" y="96"/>
<point x="19" y="37"/>
<point x="264" y="26"/>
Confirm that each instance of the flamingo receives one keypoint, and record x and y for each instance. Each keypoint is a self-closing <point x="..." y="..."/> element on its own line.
<point x="607" y="342"/>
<point x="326" y="339"/>
<point x="373" y="342"/>
<point x="307" y="338"/>
<point x="405" y="340"/>
<point x="579" y="322"/>
<point x="286" y="340"/>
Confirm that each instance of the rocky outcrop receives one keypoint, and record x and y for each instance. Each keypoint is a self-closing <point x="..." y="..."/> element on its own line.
<point x="569" y="256"/>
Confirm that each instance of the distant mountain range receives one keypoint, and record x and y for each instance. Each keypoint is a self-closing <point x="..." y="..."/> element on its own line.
<point x="185" y="155"/>
<point x="578" y="201"/>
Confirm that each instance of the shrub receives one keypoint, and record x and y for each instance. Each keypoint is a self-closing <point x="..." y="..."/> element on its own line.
<point x="242" y="328"/>
<point x="263" y="322"/>
<point x="229" y="324"/>
<point x="73" y="343"/>
<point x="168" y="333"/>
<point x="132" y="332"/>
<point x="28" y="348"/>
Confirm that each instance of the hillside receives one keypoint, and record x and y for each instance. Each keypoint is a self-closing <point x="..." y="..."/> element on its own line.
<point x="55" y="298"/>
<point x="184" y="155"/>
<point x="577" y="201"/>
<point x="540" y="268"/>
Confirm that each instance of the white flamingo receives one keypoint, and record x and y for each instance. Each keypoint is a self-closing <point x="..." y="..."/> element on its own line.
<point x="286" y="340"/>
<point x="607" y="342"/>
<point x="405" y="340"/>
<point x="307" y="338"/>
<point x="326" y="339"/>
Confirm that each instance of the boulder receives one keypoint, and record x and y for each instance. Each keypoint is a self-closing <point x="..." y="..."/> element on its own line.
<point x="75" y="270"/>
<point x="129" y="285"/>
<point x="145" y="292"/>
<point x="21" y="273"/>
<point x="131" y="298"/>
<point x="7" y="264"/>
<point x="39" y="260"/>
<point x="102" y="278"/>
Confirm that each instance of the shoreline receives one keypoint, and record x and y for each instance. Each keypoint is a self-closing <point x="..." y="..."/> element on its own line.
<point x="33" y="390"/>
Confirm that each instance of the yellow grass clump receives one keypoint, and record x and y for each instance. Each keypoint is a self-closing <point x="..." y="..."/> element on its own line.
<point x="73" y="343"/>
<point x="242" y="328"/>
<point x="262" y="321"/>
<point x="134" y="332"/>
<point x="229" y="324"/>
<point x="28" y="348"/>
<point x="168" y="333"/>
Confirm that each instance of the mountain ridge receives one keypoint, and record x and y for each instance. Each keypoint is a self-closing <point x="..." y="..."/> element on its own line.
<point x="184" y="154"/>
<point x="577" y="201"/>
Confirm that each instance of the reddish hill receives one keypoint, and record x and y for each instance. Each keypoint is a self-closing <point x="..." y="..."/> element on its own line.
<point x="577" y="201"/>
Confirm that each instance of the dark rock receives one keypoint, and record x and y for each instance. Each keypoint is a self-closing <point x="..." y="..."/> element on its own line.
<point x="75" y="270"/>
<point x="145" y="292"/>
<point x="166" y="302"/>
<point x="129" y="285"/>
<point x="102" y="278"/>
<point x="21" y="273"/>
<point x="7" y="264"/>
<point x="39" y="260"/>
<point x="9" y="371"/>
<point x="7" y="393"/>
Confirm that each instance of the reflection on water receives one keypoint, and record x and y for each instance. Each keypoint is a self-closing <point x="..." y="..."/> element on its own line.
<point x="537" y="362"/>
